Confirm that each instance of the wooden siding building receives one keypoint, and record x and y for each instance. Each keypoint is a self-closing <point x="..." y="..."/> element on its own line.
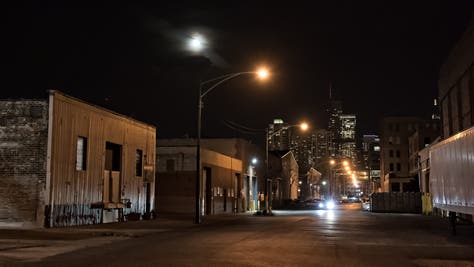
<point x="96" y="165"/>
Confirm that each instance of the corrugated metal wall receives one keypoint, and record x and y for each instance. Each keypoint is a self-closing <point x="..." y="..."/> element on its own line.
<point x="451" y="173"/>
<point x="73" y="193"/>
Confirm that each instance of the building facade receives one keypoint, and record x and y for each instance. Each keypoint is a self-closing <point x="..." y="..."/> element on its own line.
<point x="348" y="149"/>
<point x="394" y="156"/>
<point x="250" y="184"/>
<point x="427" y="132"/>
<point x="220" y="184"/>
<point x="86" y="164"/>
<point x="285" y="179"/>
<point x="279" y="139"/>
<point x="456" y="86"/>
<point x="371" y="161"/>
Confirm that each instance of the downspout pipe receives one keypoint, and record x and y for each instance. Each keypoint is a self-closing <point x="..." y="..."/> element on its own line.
<point x="49" y="187"/>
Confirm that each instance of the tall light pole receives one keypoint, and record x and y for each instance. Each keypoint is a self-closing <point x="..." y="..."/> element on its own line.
<point x="262" y="74"/>
<point x="304" y="126"/>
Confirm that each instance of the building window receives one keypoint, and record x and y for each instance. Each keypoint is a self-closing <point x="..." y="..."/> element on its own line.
<point x="390" y="127"/>
<point x="399" y="167"/>
<point x="139" y="163"/>
<point x="398" y="153"/>
<point x="391" y="167"/>
<point x="390" y="140"/>
<point x="376" y="148"/>
<point x="81" y="153"/>
<point x="397" y="127"/>
<point x="390" y="153"/>
<point x="170" y="165"/>
<point x="395" y="187"/>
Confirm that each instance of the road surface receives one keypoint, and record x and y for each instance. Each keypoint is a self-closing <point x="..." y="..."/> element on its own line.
<point x="344" y="237"/>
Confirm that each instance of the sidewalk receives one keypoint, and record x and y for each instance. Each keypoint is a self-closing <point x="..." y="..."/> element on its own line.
<point x="17" y="244"/>
<point x="35" y="244"/>
<point x="128" y="229"/>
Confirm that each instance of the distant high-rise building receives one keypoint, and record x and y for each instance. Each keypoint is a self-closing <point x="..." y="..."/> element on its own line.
<point x="302" y="146"/>
<point x="280" y="139"/>
<point x="322" y="150"/>
<point x="347" y="146"/>
<point x="334" y="126"/>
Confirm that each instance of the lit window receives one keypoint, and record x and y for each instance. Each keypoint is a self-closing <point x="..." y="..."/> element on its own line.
<point x="81" y="153"/>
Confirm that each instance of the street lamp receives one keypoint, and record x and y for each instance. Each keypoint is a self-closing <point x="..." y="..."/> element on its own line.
<point x="303" y="126"/>
<point x="332" y="180"/>
<point x="254" y="161"/>
<point x="261" y="73"/>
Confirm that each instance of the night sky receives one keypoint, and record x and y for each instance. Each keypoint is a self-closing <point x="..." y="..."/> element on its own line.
<point x="381" y="57"/>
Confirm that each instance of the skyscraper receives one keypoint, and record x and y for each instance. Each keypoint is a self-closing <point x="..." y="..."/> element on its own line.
<point x="279" y="140"/>
<point x="347" y="145"/>
<point x="334" y="126"/>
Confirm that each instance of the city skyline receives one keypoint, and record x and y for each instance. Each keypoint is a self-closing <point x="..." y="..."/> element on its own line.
<point x="132" y="61"/>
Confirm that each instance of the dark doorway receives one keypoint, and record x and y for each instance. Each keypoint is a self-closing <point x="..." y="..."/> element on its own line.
<point x="237" y="189"/>
<point x="148" y="198"/>
<point x="113" y="157"/>
<point x="225" y="199"/>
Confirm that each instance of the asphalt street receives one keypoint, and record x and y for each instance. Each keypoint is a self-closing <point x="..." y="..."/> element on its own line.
<point x="345" y="237"/>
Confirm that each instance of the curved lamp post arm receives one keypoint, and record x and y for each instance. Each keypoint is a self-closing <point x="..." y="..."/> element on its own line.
<point x="281" y="129"/>
<point x="222" y="79"/>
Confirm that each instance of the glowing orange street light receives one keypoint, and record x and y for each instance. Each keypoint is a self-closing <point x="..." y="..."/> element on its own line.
<point x="262" y="73"/>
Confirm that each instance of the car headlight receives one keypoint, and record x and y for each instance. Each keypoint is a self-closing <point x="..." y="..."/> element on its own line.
<point x="321" y="205"/>
<point x="330" y="205"/>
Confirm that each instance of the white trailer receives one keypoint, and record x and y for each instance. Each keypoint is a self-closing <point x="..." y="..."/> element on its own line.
<point x="452" y="174"/>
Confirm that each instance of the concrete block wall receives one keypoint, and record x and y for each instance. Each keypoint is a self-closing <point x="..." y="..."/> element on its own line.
<point x="23" y="149"/>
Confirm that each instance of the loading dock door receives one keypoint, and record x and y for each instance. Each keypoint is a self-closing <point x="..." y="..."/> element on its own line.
<point x="113" y="158"/>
